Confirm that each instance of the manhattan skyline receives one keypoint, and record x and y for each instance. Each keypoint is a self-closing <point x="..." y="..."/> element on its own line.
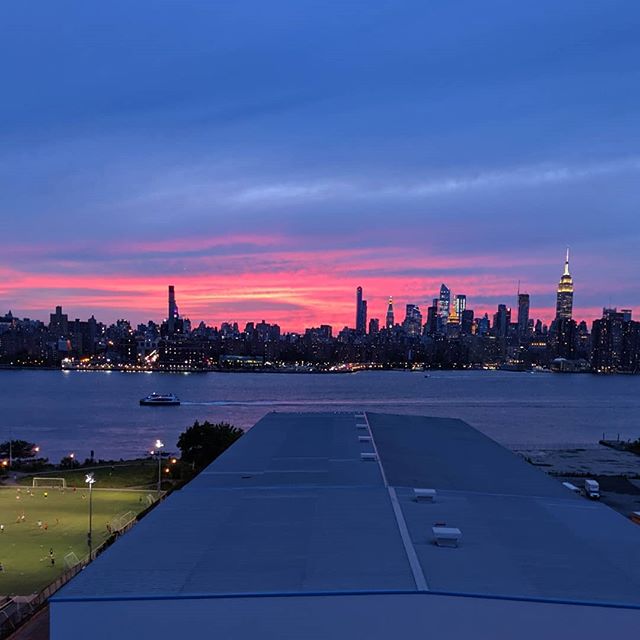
<point x="268" y="160"/>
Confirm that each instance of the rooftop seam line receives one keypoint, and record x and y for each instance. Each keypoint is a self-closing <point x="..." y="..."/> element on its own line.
<point x="412" y="556"/>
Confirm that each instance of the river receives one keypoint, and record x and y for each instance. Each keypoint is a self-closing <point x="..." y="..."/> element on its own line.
<point x="73" y="411"/>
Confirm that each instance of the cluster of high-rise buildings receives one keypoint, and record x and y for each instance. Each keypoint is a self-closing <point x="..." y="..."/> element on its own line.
<point x="448" y="335"/>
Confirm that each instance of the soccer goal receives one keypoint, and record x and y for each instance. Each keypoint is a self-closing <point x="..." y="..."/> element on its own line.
<point x="119" y="523"/>
<point x="49" y="483"/>
<point x="71" y="560"/>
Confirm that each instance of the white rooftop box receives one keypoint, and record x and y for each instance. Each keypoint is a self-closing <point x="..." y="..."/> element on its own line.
<point x="447" y="536"/>
<point x="571" y="487"/>
<point x="424" y="495"/>
<point x="364" y="438"/>
<point x="368" y="457"/>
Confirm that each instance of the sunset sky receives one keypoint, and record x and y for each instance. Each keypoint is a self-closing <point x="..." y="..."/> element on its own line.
<point x="268" y="157"/>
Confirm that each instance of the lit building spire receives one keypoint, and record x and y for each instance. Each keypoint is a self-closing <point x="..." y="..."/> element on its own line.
<point x="390" y="320"/>
<point x="564" y="299"/>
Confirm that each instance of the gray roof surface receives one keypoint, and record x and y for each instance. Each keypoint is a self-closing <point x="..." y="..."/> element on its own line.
<point x="291" y="508"/>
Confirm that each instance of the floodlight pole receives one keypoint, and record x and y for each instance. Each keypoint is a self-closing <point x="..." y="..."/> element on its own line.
<point x="159" y="446"/>
<point x="89" y="479"/>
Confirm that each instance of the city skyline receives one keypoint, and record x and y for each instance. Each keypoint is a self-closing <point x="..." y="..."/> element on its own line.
<point x="449" y="305"/>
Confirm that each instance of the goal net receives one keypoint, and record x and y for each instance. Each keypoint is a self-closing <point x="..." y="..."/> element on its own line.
<point x="49" y="483"/>
<point x="71" y="560"/>
<point x="122" y="522"/>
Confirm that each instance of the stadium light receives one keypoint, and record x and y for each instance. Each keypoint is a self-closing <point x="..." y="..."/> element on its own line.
<point x="90" y="479"/>
<point x="159" y="445"/>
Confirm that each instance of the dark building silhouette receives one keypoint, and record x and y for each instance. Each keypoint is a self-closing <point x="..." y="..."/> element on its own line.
<point x="173" y="316"/>
<point x="616" y="343"/>
<point x="361" y="313"/>
<point x="412" y="324"/>
<point x="523" y="315"/>
<point x="501" y="321"/>
<point x="59" y="323"/>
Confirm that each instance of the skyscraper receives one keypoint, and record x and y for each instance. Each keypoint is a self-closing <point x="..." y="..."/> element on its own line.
<point x="361" y="313"/>
<point x="501" y="321"/>
<point x="173" y="314"/>
<point x="390" y="320"/>
<point x="460" y="304"/>
<point x="444" y="304"/>
<point x="523" y="314"/>
<point x="413" y="320"/>
<point x="564" y="300"/>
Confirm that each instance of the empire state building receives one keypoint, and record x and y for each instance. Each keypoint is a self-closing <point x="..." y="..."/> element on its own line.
<point x="564" y="300"/>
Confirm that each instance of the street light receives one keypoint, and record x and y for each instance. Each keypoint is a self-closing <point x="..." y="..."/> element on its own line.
<point x="89" y="479"/>
<point x="159" y="445"/>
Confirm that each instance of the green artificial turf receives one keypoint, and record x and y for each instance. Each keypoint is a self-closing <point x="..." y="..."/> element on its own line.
<point x="136" y="474"/>
<point x="64" y="516"/>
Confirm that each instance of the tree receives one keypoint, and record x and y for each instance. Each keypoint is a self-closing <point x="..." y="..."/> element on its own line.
<point x="202" y="443"/>
<point x="18" y="449"/>
<point x="69" y="462"/>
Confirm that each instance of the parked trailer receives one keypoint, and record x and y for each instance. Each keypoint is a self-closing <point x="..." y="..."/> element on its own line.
<point x="571" y="487"/>
<point x="592" y="489"/>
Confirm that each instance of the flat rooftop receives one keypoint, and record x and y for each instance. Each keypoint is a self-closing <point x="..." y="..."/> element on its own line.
<point x="292" y="508"/>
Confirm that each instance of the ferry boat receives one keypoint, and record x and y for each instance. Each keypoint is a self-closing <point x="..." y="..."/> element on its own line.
<point x="160" y="400"/>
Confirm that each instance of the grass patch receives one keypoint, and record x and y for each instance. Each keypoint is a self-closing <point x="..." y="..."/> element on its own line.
<point x="24" y="546"/>
<point x="139" y="474"/>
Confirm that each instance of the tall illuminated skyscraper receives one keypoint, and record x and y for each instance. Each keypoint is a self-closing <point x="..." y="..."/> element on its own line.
<point x="460" y="304"/>
<point x="390" y="320"/>
<point x="564" y="300"/>
<point x="444" y="303"/>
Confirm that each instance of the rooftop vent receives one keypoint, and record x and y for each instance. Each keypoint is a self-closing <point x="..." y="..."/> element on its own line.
<point x="366" y="457"/>
<point x="447" y="536"/>
<point x="361" y="426"/>
<point x="364" y="438"/>
<point x="424" y="495"/>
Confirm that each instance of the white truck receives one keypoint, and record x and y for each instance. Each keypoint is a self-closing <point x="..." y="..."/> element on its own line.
<point x="592" y="489"/>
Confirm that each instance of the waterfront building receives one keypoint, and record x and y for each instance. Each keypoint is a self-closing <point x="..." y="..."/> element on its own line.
<point x="564" y="299"/>
<point x="343" y="525"/>
<point x="615" y="343"/>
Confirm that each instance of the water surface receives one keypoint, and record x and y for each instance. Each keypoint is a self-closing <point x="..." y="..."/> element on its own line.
<point x="79" y="411"/>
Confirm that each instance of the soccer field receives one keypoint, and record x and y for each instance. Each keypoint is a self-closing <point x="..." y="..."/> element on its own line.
<point x="54" y="520"/>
